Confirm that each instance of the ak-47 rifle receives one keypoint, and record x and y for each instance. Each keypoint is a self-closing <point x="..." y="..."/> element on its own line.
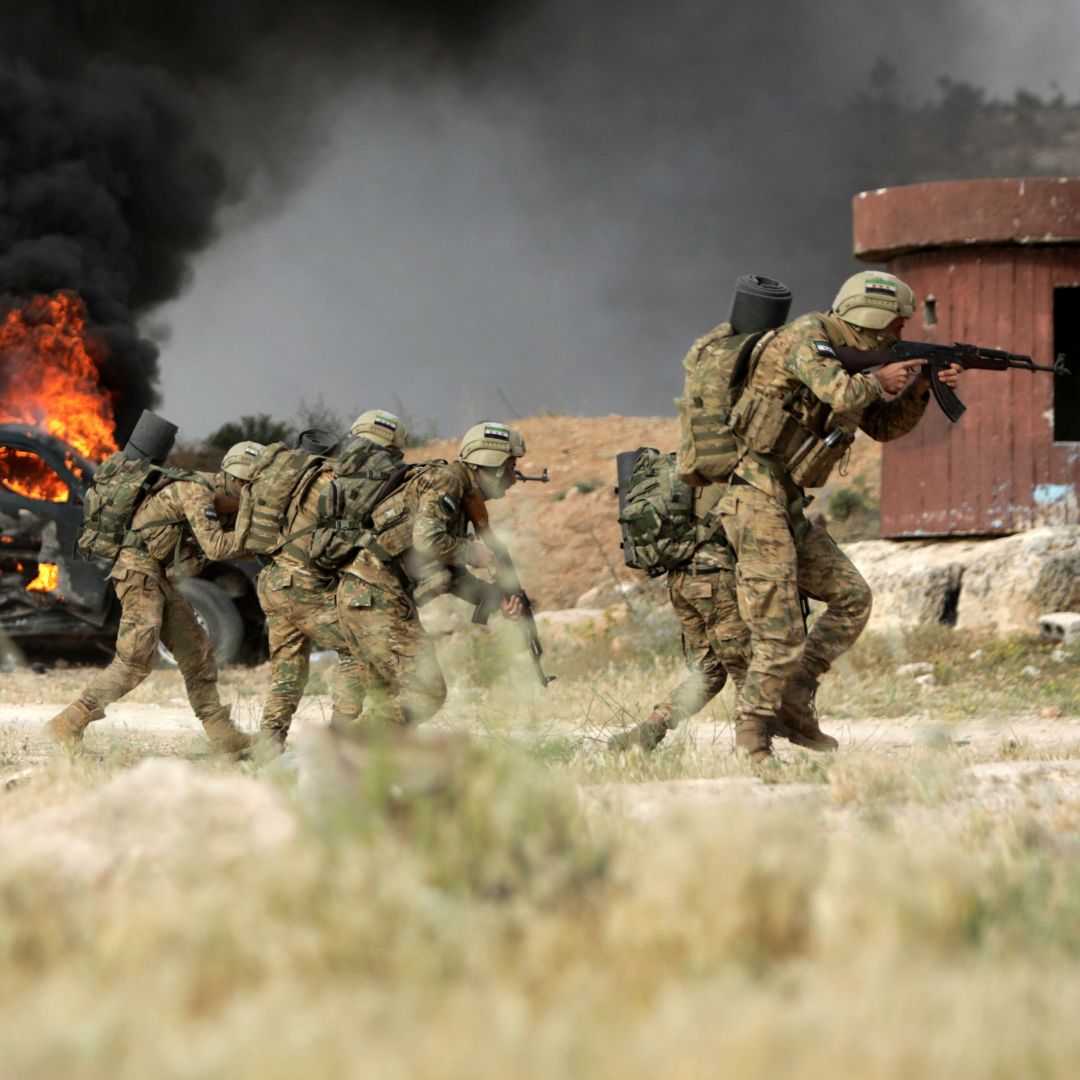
<point x="506" y="584"/>
<point x="940" y="357"/>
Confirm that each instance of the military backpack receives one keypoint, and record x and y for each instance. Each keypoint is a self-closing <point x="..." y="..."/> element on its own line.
<point x="716" y="369"/>
<point x="361" y="478"/>
<point x="656" y="512"/>
<point x="279" y="476"/>
<point x="119" y="488"/>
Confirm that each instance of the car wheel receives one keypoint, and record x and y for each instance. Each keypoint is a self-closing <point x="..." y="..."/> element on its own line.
<point x="217" y="615"/>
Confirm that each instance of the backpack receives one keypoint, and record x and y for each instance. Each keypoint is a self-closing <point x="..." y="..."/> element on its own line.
<point x="716" y="370"/>
<point x="118" y="489"/>
<point x="279" y="476"/>
<point x="359" y="482"/>
<point x="393" y="513"/>
<point x="656" y="512"/>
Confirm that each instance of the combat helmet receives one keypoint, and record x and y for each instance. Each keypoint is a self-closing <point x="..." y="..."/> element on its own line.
<point x="490" y="445"/>
<point x="872" y="299"/>
<point x="381" y="427"/>
<point x="240" y="459"/>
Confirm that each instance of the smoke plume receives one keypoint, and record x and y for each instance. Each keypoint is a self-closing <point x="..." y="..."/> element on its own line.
<point x="126" y="126"/>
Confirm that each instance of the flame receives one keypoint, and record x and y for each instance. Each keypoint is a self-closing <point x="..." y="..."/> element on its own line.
<point x="49" y="379"/>
<point x="48" y="577"/>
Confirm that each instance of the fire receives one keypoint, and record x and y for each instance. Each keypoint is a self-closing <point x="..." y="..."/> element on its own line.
<point x="48" y="577"/>
<point x="49" y="379"/>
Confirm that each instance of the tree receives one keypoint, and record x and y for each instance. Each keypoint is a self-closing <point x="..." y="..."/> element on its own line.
<point x="261" y="428"/>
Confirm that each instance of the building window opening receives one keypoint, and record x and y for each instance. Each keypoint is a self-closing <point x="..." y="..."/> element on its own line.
<point x="1067" y="341"/>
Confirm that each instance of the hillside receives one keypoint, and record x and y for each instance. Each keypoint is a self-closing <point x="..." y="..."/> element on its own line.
<point x="565" y="534"/>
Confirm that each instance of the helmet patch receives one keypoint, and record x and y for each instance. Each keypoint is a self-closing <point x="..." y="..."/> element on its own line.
<point x="881" y="287"/>
<point x="497" y="431"/>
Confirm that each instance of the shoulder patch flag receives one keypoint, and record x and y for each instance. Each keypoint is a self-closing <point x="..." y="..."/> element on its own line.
<point x="823" y="348"/>
<point x="448" y="503"/>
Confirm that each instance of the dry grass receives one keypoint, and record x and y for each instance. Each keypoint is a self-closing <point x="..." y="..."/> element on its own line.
<point x="488" y="908"/>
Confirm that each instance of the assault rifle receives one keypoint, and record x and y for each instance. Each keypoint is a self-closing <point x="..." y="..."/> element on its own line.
<point x="543" y="478"/>
<point x="507" y="584"/>
<point x="938" y="358"/>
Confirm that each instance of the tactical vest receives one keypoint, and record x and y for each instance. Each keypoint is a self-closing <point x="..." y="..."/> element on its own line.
<point x="716" y="369"/>
<point x="660" y="529"/>
<point x="280" y="475"/>
<point x="360" y="479"/>
<point x="120" y="486"/>
<point x="790" y="428"/>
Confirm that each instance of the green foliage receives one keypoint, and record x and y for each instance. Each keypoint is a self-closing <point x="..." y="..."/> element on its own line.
<point x="854" y="512"/>
<point x="846" y="501"/>
<point x="261" y="428"/>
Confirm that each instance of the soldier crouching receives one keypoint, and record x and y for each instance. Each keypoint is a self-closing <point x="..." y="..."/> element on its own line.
<point x="419" y="548"/>
<point x="173" y="533"/>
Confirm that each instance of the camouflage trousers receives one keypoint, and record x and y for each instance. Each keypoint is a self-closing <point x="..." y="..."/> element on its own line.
<point x="715" y="640"/>
<point x="151" y="611"/>
<point x="301" y="611"/>
<point x="779" y="554"/>
<point x="383" y="630"/>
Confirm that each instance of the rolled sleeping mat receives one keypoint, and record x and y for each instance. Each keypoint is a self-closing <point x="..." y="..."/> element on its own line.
<point x="760" y="303"/>
<point x="152" y="439"/>
<point x="318" y="441"/>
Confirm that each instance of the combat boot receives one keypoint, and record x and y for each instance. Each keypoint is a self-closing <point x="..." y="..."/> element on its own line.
<point x="752" y="738"/>
<point x="67" y="727"/>
<point x="269" y="743"/>
<point x="797" y="718"/>
<point x="648" y="735"/>
<point x="225" y="737"/>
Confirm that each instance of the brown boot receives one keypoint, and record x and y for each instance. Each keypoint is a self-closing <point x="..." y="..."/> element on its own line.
<point x="752" y="738"/>
<point x="797" y="718"/>
<point x="225" y="737"/>
<point x="67" y="727"/>
<point x="649" y="734"/>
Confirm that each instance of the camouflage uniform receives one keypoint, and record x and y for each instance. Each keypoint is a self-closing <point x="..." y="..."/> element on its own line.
<point x="300" y="609"/>
<point x="375" y="598"/>
<point x="778" y="551"/>
<point x="715" y="641"/>
<point x="173" y="534"/>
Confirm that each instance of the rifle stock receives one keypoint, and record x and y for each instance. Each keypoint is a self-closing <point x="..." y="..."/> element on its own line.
<point x="507" y="584"/>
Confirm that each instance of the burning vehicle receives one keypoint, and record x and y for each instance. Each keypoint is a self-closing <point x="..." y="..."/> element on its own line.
<point x="55" y="424"/>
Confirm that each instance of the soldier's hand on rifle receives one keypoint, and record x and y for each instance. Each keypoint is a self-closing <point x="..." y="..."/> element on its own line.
<point x="512" y="607"/>
<point x="894" y="378"/>
<point x="950" y="376"/>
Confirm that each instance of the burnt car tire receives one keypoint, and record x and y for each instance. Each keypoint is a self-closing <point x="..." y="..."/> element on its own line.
<point x="218" y="615"/>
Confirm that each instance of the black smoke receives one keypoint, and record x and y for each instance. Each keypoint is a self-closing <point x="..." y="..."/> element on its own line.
<point x="126" y="127"/>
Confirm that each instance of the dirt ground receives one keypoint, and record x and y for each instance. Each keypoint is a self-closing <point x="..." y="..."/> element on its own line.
<point x="994" y="764"/>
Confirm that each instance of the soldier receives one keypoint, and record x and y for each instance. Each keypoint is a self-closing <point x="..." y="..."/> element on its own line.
<point x="174" y="532"/>
<point x="299" y="599"/>
<point x="419" y="548"/>
<point x="794" y="420"/>
<point x="715" y="640"/>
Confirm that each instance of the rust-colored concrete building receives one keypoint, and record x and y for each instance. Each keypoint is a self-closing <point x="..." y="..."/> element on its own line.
<point x="996" y="263"/>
